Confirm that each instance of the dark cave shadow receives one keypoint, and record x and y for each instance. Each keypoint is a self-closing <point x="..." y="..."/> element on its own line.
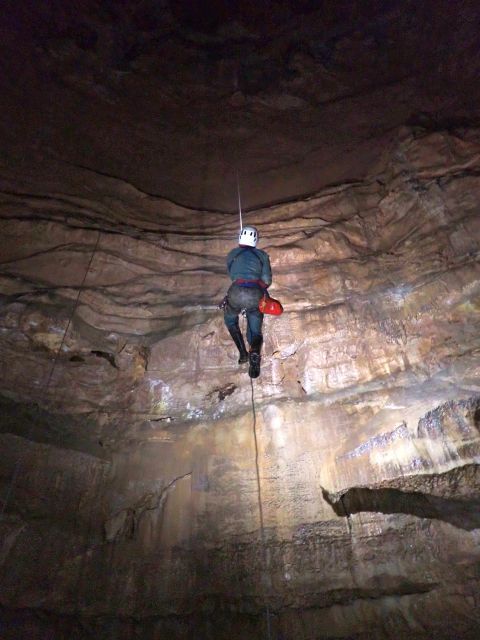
<point x="464" y="514"/>
<point x="476" y="418"/>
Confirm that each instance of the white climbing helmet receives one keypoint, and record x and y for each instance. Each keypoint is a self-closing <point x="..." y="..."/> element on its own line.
<point x="248" y="236"/>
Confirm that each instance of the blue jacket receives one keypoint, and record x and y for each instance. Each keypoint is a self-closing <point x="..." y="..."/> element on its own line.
<point x="249" y="263"/>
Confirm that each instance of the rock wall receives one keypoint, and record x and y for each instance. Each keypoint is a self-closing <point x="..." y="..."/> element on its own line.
<point x="174" y="96"/>
<point x="131" y="445"/>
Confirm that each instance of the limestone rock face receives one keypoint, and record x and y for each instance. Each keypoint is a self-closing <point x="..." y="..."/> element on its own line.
<point x="149" y="489"/>
<point x="175" y="96"/>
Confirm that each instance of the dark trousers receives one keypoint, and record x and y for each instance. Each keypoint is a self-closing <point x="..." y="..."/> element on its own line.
<point x="247" y="298"/>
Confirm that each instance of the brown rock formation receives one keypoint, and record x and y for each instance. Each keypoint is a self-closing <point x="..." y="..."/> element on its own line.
<point x="296" y="95"/>
<point x="136" y="473"/>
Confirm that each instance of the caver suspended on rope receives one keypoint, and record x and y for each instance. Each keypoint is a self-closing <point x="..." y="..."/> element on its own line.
<point x="251" y="274"/>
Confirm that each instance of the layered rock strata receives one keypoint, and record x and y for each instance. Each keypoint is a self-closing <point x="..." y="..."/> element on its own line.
<point x="173" y="96"/>
<point x="130" y="434"/>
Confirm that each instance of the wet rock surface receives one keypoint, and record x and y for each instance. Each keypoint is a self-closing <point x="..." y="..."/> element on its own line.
<point x="147" y="488"/>
<point x="127" y="423"/>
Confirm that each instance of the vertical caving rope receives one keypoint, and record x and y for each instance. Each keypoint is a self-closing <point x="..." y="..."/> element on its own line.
<point x="239" y="202"/>
<point x="18" y="464"/>
<point x="263" y="541"/>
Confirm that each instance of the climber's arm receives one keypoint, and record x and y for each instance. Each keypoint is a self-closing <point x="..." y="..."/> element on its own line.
<point x="230" y="260"/>
<point x="266" y="270"/>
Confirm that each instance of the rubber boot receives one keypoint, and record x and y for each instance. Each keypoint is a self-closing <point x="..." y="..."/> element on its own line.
<point x="240" y="344"/>
<point x="254" y="357"/>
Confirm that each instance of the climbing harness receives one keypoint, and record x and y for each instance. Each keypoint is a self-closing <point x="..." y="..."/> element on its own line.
<point x="223" y="303"/>
<point x="19" y="461"/>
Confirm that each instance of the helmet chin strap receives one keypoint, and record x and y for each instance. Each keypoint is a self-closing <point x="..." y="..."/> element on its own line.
<point x="239" y="202"/>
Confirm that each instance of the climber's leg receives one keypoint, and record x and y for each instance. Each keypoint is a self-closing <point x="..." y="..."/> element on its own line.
<point x="254" y="324"/>
<point x="254" y="357"/>
<point x="230" y="316"/>
<point x="240" y="344"/>
<point x="245" y="298"/>
<point x="255" y="339"/>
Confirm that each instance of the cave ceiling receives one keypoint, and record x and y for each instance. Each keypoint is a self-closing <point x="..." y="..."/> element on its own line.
<point x="175" y="97"/>
<point x="148" y="487"/>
